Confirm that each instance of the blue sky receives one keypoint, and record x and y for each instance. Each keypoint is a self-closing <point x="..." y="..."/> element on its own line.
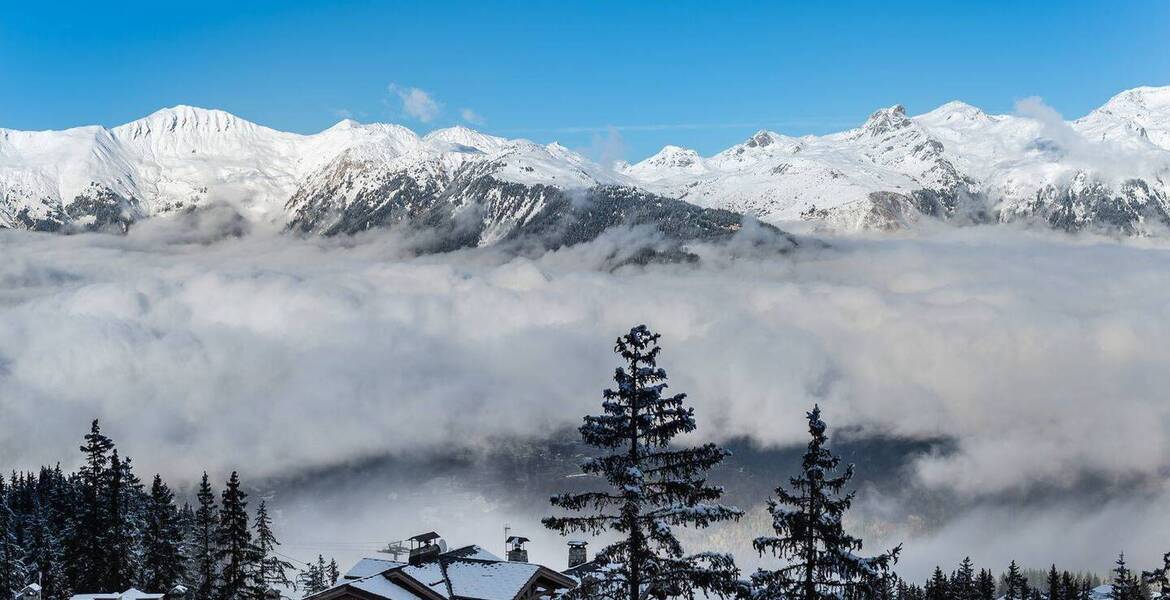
<point x="698" y="74"/>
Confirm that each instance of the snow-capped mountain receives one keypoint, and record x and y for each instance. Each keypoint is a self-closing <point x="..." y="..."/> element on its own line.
<point x="1108" y="170"/>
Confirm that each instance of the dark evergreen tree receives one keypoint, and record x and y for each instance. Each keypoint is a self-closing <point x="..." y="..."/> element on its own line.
<point x="89" y="536"/>
<point x="332" y="573"/>
<point x="164" y="564"/>
<point x="1160" y="577"/>
<point x="962" y="586"/>
<point x="237" y="555"/>
<point x="985" y="585"/>
<point x="819" y="555"/>
<point x="205" y="553"/>
<point x="1015" y="585"/>
<point x="124" y="525"/>
<point x="1068" y="587"/>
<point x="936" y="588"/>
<point x="1125" y="585"/>
<point x="271" y="569"/>
<point x="654" y="488"/>
<point x="1055" y="590"/>
<point x="12" y="567"/>
<point x="312" y="579"/>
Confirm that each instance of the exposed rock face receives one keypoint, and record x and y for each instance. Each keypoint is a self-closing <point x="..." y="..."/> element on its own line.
<point x="1107" y="171"/>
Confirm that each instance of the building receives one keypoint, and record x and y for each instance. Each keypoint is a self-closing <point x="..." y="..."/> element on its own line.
<point x="435" y="573"/>
<point x="177" y="593"/>
<point x="130" y="594"/>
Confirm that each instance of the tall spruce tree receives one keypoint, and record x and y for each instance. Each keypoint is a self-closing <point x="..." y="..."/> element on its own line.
<point x="271" y="569"/>
<point x="962" y="586"/>
<point x="1125" y="585"/>
<point x="205" y="554"/>
<point x="936" y="587"/>
<point x="820" y="557"/>
<point x="1160" y="577"/>
<point x="125" y="505"/>
<point x="653" y="488"/>
<point x="89" y="535"/>
<point x="1055" y="591"/>
<point x="1015" y="585"/>
<point x="164" y="564"/>
<point x="237" y="555"/>
<point x="12" y="567"/>
<point x="312" y="579"/>
<point x="985" y="585"/>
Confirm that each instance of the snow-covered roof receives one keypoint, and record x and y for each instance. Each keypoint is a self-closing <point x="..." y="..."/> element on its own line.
<point x="489" y="580"/>
<point x="371" y="566"/>
<point x="467" y="573"/>
<point x="130" y="594"/>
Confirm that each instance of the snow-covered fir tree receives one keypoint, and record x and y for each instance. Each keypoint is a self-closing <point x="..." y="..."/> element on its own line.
<point x="985" y="585"/>
<point x="164" y="561"/>
<point x="89" y="534"/>
<point x="12" y="567"/>
<point x="271" y="570"/>
<point x="312" y="579"/>
<point x="237" y="555"/>
<point x="819" y="557"/>
<point x="205" y="552"/>
<point x="962" y="585"/>
<point x="1015" y="585"/>
<point x="332" y="573"/>
<point x="1160" y="578"/>
<point x="1125" y="584"/>
<point x="653" y="487"/>
<point x="125" y="504"/>
<point x="937" y="588"/>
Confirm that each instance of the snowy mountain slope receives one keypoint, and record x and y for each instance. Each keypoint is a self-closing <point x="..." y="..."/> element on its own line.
<point x="1108" y="170"/>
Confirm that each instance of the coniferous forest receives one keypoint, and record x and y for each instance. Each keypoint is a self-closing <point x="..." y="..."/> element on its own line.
<point x="102" y="528"/>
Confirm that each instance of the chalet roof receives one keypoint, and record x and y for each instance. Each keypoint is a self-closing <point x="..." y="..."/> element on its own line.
<point x="130" y="594"/>
<point x="371" y="566"/>
<point x="468" y="573"/>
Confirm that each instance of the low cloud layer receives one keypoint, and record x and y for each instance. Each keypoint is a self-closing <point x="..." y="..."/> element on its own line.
<point x="1041" y="358"/>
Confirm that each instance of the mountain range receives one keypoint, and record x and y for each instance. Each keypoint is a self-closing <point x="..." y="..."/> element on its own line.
<point x="1107" y="171"/>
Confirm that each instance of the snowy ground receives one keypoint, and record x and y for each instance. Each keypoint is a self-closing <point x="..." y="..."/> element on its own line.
<point x="1039" y="360"/>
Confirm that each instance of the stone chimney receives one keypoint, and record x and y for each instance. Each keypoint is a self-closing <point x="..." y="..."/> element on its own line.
<point x="516" y="551"/>
<point x="577" y="554"/>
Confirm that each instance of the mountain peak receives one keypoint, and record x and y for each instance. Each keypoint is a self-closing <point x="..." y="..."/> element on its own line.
<point x="885" y="120"/>
<point x="466" y="137"/>
<point x="183" y="118"/>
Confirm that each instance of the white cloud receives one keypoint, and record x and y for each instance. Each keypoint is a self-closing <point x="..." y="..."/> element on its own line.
<point x="471" y="116"/>
<point x="417" y="103"/>
<point x="1042" y="358"/>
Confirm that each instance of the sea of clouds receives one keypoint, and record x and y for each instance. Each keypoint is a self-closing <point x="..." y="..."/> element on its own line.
<point x="1040" y="359"/>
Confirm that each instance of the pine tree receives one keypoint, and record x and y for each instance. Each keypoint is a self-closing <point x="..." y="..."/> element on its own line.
<point x="206" y="549"/>
<point x="312" y="579"/>
<point x="89" y="562"/>
<point x="1124" y="584"/>
<point x="1068" y="587"/>
<point x="820" y="556"/>
<point x="654" y="487"/>
<point x="271" y="570"/>
<point x="163" y="563"/>
<point x="936" y="588"/>
<point x="1015" y="586"/>
<point x="12" y="568"/>
<point x="1160" y="577"/>
<point x="124" y="525"/>
<point x="332" y="573"/>
<point x="962" y="585"/>
<point x="985" y="585"/>
<point x="234" y="538"/>
<point x="1055" y="590"/>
